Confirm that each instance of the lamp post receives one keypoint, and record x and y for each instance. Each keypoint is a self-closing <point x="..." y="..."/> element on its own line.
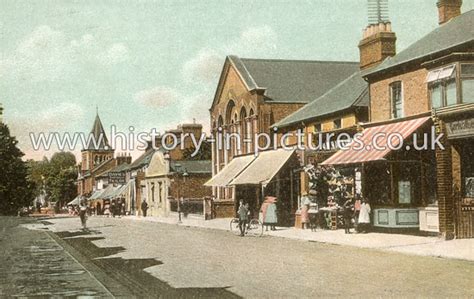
<point x="180" y="199"/>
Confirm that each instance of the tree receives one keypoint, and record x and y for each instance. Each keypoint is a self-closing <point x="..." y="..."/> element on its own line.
<point x="204" y="153"/>
<point x="15" y="189"/>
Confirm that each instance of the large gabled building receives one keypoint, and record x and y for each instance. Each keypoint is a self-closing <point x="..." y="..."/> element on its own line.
<point x="253" y="94"/>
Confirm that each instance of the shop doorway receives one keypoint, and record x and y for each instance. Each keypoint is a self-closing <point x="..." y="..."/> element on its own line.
<point x="464" y="194"/>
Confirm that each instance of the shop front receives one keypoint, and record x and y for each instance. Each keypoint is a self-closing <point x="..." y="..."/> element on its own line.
<point x="456" y="169"/>
<point x="397" y="179"/>
<point x="251" y="178"/>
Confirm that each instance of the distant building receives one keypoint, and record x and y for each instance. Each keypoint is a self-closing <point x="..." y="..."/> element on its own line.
<point x="97" y="159"/>
<point x="173" y="175"/>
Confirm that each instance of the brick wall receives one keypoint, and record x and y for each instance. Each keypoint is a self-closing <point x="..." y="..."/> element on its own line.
<point x="415" y="95"/>
<point x="375" y="48"/>
<point x="444" y="159"/>
<point x="192" y="188"/>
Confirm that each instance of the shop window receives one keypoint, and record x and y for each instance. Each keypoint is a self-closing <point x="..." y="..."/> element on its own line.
<point x="404" y="192"/>
<point x="396" y="99"/>
<point x="468" y="171"/>
<point x="337" y="124"/>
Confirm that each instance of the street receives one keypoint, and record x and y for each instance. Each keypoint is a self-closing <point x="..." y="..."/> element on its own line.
<point x="123" y="257"/>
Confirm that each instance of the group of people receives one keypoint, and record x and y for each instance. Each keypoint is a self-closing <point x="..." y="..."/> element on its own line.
<point x="357" y="210"/>
<point x="267" y="215"/>
<point x="115" y="208"/>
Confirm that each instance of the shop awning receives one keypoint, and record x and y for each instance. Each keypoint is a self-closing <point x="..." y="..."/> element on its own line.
<point x="121" y="190"/>
<point x="366" y="152"/>
<point x="96" y="194"/>
<point x="230" y="171"/>
<point x="264" y="168"/>
<point x="440" y="74"/>
<point x="75" y="202"/>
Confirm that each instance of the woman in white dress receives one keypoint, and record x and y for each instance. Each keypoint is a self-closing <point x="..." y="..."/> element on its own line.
<point x="364" y="216"/>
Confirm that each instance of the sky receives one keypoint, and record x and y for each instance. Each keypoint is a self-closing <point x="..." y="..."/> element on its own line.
<point x="155" y="64"/>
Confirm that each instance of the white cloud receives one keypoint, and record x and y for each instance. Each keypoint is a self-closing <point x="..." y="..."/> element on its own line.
<point x="47" y="54"/>
<point x="252" y="42"/>
<point x="205" y="66"/>
<point x="158" y="97"/>
<point x="116" y="53"/>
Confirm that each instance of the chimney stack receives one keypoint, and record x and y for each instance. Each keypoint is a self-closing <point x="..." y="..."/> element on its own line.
<point x="448" y="9"/>
<point x="378" y="42"/>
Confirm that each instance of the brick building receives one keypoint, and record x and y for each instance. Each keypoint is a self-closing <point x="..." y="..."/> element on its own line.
<point x="96" y="159"/>
<point x="252" y="94"/>
<point x="429" y="83"/>
<point x="336" y="114"/>
<point x="174" y="174"/>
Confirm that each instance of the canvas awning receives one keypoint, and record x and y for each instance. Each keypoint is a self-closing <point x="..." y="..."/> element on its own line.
<point x="263" y="168"/>
<point x="75" y="202"/>
<point x="96" y="194"/>
<point x="230" y="171"/>
<point x="366" y="152"/>
<point x="121" y="190"/>
<point x="440" y="74"/>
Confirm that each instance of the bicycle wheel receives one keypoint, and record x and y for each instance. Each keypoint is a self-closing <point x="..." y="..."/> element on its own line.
<point x="234" y="226"/>
<point x="255" y="228"/>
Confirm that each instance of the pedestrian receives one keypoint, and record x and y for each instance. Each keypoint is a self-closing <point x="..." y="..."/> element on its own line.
<point x="305" y="202"/>
<point x="112" y="208"/>
<point x="357" y="204"/>
<point x="271" y="218"/>
<point x="364" y="216"/>
<point x="119" y="208"/>
<point x="348" y="212"/>
<point x="83" y="213"/>
<point x="144" y="208"/>
<point x="243" y="213"/>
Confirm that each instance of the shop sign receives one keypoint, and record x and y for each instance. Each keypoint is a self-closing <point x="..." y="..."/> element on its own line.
<point x="117" y="178"/>
<point x="460" y="128"/>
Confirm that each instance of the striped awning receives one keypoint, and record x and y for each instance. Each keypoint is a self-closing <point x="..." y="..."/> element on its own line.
<point x="372" y="145"/>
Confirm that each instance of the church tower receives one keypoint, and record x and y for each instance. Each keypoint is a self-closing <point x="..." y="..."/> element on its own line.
<point x="98" y="149"/>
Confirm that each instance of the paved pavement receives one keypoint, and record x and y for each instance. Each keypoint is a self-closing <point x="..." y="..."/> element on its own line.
<point x="190" y="258"/>
<point x="33" y="264"/>
<point x="409" y="244"/>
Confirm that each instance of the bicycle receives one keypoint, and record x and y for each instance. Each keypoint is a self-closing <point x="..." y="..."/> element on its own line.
<point x="254" y="227"/>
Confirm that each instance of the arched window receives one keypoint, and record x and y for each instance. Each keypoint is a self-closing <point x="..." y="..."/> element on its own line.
<point x="243" y="130"/>
<point x="251" y="129"/>
<point x="228" y="111"/>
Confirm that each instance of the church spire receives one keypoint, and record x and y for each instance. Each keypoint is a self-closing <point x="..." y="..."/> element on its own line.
<point x="99" y="135"/>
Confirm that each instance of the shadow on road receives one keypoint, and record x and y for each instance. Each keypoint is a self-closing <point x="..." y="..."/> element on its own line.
<point x="129" y="273"/>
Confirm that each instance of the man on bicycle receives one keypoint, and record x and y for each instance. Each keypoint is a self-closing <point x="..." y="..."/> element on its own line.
<point x="243" y="214"/>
